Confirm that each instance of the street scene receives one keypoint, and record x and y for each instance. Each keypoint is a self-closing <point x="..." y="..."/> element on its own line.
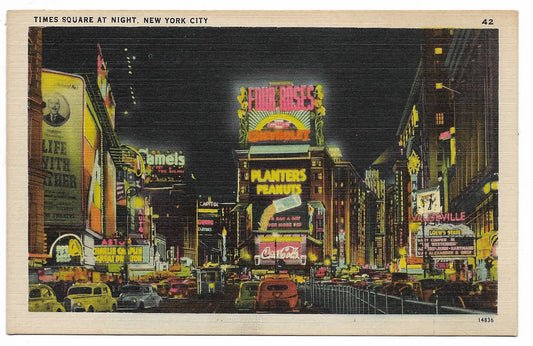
<point x="262" y="170"/>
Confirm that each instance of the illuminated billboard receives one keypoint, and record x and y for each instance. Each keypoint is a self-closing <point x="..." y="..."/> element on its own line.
<point x="281" y="113"/>
<point x="67" y="250"/>
<point x="64" y="97"/>
<point x="289" y="248"/>
<point x="163" y="167"/>
<point x="208" y="216"/>
<point x="271" y="180"/>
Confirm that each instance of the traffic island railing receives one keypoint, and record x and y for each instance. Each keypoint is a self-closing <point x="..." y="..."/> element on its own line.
<point x="333" y="298"/>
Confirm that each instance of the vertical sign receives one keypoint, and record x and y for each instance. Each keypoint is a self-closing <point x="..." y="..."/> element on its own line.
<point x="428" y="201"/>
<point x="64" y="97"/>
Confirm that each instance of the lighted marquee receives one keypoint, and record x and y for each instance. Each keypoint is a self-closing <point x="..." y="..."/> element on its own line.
<point x="445" y="240"/>
<point x="117" y="254"/>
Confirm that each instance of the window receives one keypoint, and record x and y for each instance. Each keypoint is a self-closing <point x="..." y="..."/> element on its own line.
<point x="438" y="50"/>
<point x="439" y="118"/>
<point x="35" y="293"/>
<point x="318" y="189"/>
<point x="316" y="163"/>
<point x="98" y="290"/>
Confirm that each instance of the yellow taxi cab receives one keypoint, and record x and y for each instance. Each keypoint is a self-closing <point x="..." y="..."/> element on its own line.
<point x="42" y="298"/>
<point x="90" y="297"/>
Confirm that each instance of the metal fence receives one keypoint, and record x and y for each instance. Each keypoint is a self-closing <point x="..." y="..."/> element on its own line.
<point x="341" y="299"/>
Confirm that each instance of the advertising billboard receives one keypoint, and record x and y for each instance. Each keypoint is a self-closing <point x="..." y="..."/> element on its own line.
<point x="64" y="98"/>
<point x="280" y="112"/>
<point x="163" y="167"/>
<point x="289" y="248"/>
<point x="67" y="250"/>
<point x="271" y="180"/>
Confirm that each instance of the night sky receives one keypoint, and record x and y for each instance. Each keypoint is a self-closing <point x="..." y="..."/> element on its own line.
<point x="186" y="81"/>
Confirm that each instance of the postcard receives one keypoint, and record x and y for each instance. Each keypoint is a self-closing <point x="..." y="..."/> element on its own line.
<point x="262" y="172"/>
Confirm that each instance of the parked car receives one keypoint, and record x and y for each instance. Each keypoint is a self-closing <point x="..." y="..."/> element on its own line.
<point x="321" y="272"/>
<point x="483" y="296"/>
<point x="192" y="286"/>
<point x="277" y="292"/>
<point x="233" y="278"/>
<point x="406" y="290"/>
<point x="247" y="293"/>
<point x="452" y="294"/>
<point x="179" y="289"/>
<point x="90" y="297"/>
<point x="42" y="298"/>
<point x="428" y="286"/>
<point x="163" y="287"/>
<point x="138" y="297"/>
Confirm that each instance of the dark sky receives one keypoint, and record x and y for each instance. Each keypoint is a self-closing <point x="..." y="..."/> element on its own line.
<point x="186" y="80"/>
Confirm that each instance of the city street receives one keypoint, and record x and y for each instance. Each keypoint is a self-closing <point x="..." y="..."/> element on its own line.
<point x="156" y="162"/>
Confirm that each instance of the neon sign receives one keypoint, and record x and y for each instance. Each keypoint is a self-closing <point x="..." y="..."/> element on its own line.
<point x="280" y="176"/>
<point x="255" y="136"/>
<point x="290" y="98"/>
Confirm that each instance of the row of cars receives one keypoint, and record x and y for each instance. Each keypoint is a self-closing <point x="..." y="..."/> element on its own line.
<point x="177" y="288"/>
<point x="482" y="296"/>
<point x="275" y="293"/>
<point x="94" y="297"/>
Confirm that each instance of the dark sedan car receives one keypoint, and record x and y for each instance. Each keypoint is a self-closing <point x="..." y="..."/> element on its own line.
<point x="138" y="297"/>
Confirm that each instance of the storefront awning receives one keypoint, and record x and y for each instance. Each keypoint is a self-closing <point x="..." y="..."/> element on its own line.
<point x="279" y="149"/>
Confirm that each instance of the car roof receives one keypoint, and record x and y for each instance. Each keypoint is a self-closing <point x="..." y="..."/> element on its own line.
<point x="89" y="284"/>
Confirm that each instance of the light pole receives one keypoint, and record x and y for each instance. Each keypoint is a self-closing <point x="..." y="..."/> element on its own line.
<point x="275" y="235"/>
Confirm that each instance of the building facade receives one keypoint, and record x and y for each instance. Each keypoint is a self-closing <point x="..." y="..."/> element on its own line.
<point x="449" y="138"/>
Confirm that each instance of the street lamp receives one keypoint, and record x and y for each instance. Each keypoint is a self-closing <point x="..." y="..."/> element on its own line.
<point x="275" y="235"/>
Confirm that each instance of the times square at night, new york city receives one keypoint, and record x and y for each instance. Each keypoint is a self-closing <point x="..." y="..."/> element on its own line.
<point x="304" y="170"/>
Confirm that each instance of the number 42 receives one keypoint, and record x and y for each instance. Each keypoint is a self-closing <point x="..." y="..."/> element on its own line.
<point x="489" y="21"/>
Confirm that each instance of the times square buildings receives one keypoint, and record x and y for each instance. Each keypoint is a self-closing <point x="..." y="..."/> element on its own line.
<point x="99" y="208"/>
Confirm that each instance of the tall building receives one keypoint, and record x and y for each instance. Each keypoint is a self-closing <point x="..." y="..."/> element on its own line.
<point x="353" y="226"/>
<point x="285" y="177"/>
<point x="470" y="175"/>
<point x="449" y="136"/>
<point x="77" y="153"/>
<point x="172" y="198"/>
<point x="377" y="186"/>
<point x="37" y="242"/>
